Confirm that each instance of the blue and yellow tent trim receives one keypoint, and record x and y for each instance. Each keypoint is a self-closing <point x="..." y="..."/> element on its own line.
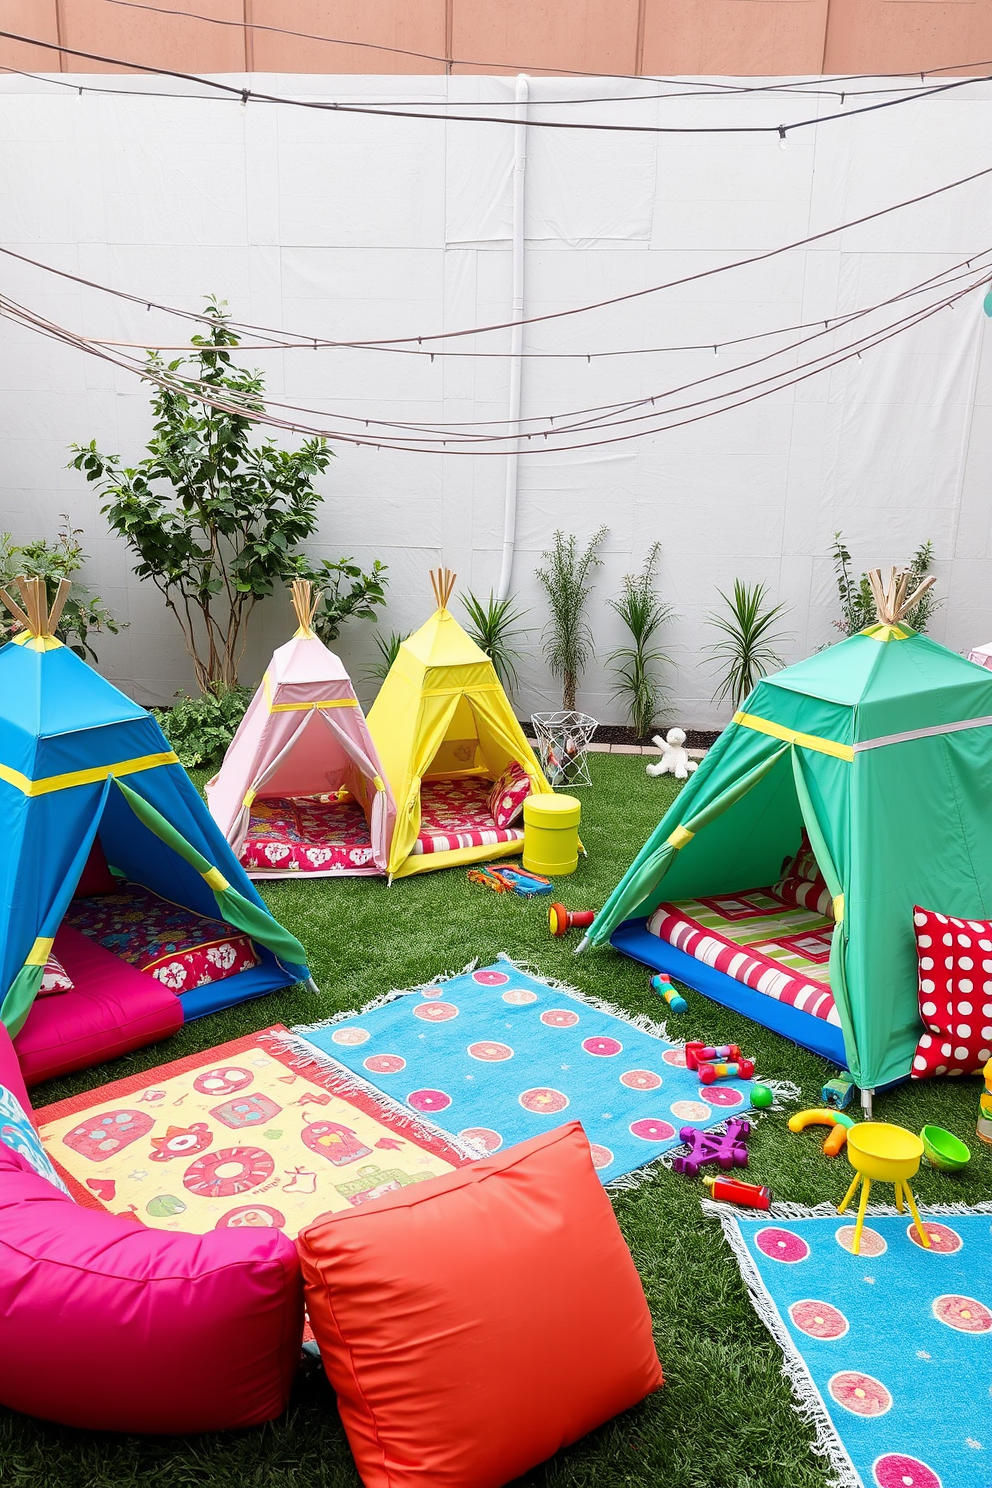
<point x="78" y="759"/>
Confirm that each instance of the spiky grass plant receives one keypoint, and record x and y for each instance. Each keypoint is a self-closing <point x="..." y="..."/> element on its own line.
<point x="635" y="666"/>
<point x="388" y="648"/>
<point x="565" y="575"/>
<point x="747" y="651"/>
<point x="494" y="624"/>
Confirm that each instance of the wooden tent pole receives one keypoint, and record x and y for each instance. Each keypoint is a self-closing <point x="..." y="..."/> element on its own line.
<point x="891" y="602"/>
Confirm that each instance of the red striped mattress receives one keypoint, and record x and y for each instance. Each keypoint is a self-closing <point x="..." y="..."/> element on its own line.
<point x="778" y="949"/>
<point x="455" y="814"/>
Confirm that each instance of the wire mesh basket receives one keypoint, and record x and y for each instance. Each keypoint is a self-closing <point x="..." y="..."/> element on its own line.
<point x="563" y="741"/>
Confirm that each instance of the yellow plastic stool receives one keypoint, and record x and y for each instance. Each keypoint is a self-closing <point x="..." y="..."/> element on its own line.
<point x="551" y="835"/>
<point x="889" y="1154"/>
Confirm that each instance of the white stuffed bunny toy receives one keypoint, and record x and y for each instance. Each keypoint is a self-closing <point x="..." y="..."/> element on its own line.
<point x="674" y="756"/>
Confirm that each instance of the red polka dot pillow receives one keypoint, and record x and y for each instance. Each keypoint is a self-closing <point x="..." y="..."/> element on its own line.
<point x="955" y="967"/>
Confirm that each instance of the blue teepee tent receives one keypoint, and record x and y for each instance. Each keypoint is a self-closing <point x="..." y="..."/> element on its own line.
<point x="79" y="760"/>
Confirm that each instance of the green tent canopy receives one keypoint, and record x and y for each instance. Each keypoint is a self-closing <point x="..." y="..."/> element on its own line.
<point x="881" y="747"/>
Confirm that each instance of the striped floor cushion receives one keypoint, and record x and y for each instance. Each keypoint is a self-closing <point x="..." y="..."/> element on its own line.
<point x="773" y="948"/>
<point x="455" y="814"/>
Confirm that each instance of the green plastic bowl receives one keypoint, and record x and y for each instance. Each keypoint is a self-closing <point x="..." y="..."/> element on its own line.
<point x="944" y="1150"/>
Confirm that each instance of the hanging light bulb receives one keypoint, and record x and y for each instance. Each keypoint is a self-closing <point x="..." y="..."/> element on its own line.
<point x="783" y="143"/>
<point x="987" y="303"/>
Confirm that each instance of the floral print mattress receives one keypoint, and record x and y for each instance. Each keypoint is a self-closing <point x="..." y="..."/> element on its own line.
<point x="455" y="813"/>
<point x="304" y="835"/>
<point x="181" y="949"/>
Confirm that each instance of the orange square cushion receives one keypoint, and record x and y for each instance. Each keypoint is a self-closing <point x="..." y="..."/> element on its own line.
<point x="474" y="1324"/>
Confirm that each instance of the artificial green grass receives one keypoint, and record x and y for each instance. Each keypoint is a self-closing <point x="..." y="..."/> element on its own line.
<point x="725" y="1417"/>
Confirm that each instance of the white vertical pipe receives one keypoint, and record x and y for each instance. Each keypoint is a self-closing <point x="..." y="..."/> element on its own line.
<point x="521" y="95"/>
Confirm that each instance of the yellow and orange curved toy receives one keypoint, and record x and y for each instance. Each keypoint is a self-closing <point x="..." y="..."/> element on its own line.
<point x="824" y="1117"/>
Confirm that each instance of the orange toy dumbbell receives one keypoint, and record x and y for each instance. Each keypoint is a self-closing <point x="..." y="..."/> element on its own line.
<point x="561" y="920"/>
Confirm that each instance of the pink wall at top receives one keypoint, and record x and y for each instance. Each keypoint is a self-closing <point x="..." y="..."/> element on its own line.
<point x="736" y="37"/>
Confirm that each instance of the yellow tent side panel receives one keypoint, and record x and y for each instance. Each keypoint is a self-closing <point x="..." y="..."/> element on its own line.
<point x="442" y="712"/>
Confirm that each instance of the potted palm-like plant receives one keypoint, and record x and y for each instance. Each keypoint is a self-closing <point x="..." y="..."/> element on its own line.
<point x="566" y="576"/>
<point x="635" y="666"/>
<point x="747" y="650"/>
<point x="494" y="625"/>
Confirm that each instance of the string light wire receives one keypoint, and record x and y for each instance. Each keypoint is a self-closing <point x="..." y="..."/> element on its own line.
<point x="944" y="279"/>
<point x="760" y="389"/>
<point x="554" y="315"/>
<point x="253" y="95"/>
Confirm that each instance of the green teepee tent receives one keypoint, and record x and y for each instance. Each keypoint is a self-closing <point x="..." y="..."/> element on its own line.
<point x="881" y="747"/>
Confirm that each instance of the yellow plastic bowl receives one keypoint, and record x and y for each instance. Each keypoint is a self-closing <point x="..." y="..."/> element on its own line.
<point x="883" y="1152"/>
<point x="944" y="1150"/>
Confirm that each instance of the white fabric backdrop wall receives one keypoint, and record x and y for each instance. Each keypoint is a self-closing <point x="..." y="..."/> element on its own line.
<point x="356" y="226"/>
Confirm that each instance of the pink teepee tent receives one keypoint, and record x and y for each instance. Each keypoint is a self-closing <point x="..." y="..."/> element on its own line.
<point x="301" y="790"/>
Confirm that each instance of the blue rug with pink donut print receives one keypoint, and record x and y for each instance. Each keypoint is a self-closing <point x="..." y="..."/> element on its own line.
<point x="890" y="1351"/>
<point x="496" y="1056"/>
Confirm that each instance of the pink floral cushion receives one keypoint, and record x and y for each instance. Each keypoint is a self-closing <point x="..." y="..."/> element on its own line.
<point x="509" y="792"/>
<point x="955" y="965"/>
<point x="54" y="978"/>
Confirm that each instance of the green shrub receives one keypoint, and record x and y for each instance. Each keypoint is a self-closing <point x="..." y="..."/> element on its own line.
<point x="200" y="729"/>
<point x="857" y="603"/>
<point x="389" y="647"/>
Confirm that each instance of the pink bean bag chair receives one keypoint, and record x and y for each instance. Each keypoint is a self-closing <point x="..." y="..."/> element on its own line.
<point x="109" y="1325"/>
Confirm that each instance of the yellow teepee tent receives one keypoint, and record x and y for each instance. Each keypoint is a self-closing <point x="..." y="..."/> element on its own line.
<point x="442" y="715"/>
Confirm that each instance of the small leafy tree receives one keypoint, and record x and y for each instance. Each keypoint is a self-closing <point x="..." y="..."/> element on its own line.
<point x="747" y="651"/>
<point x="493" y="626"/>
<point x="566" y="579"/>
<point x="348" y="593"/>
<point x="83" y="612"/>
<point x="857" y="604"/>
<point x="214" y="520"/>
<point x="635" y="666"/>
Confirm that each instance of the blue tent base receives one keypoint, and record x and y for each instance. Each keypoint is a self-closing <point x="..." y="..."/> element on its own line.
<point x="810" y="1033"/>
<point x="257" y="981"/>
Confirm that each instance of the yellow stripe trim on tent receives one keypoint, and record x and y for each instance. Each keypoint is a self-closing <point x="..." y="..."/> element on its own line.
<point x="838" y="907"/>
<point x="378" y="782"/>
<point x="311" y="707"/>
<point x="454" y="691"/>
<point x="680" y="837"/>
<point x="216" y="880"/>
<point x="885" y="633"/>
<point x="51" y="783"/>
<point x="36" y="642"/>
<point x="303" y="707"/>
<point x="40" y="951"/>
<point x="806" y="741"/>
